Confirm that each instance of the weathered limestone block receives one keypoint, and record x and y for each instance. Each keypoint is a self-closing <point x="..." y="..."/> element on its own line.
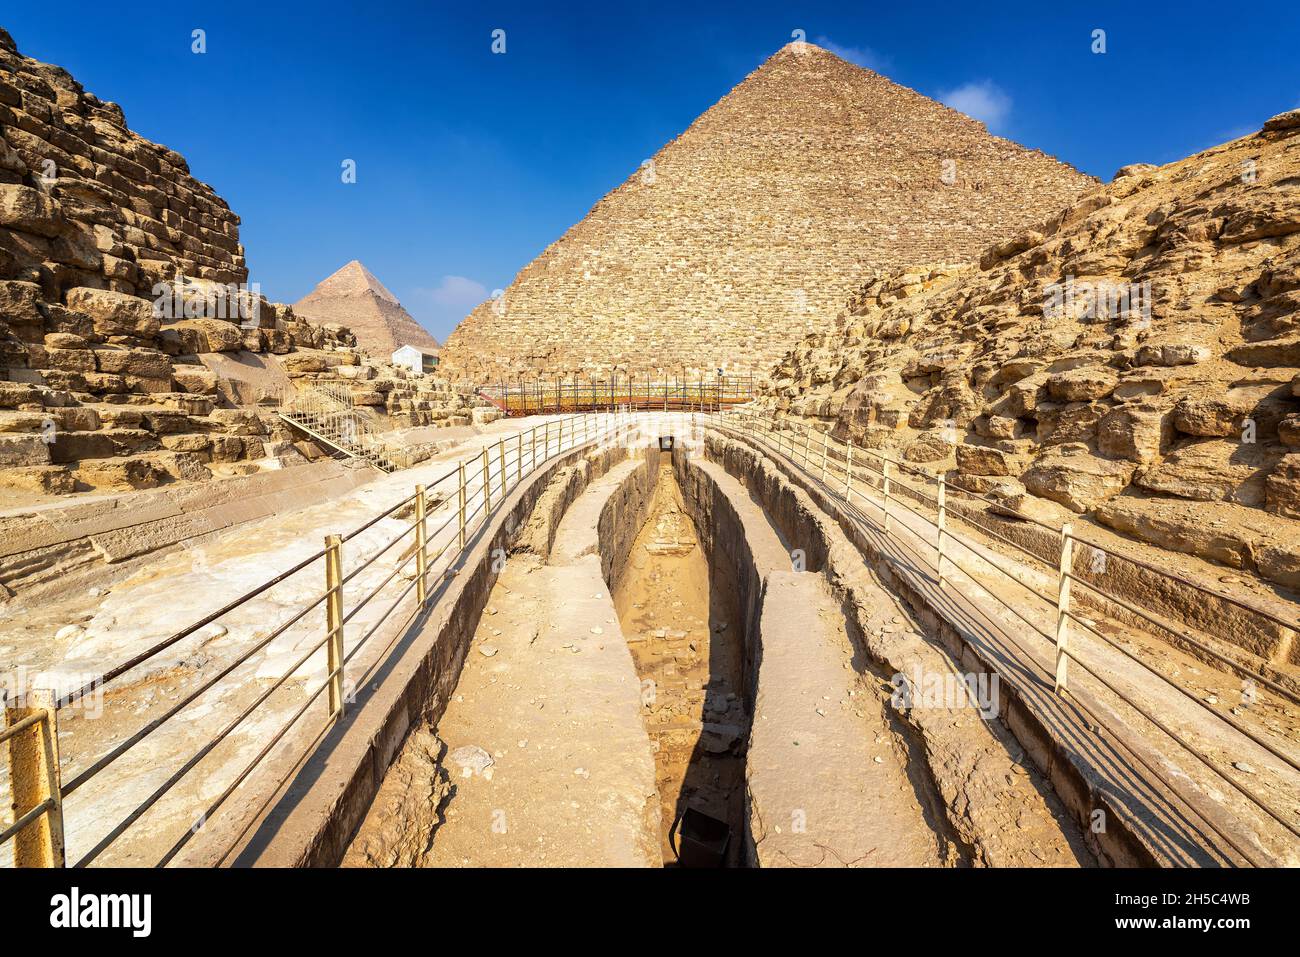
<point x="1288" y="430"/>
<point x="41" y="479"/>
<point x="210" y="335"/>
<point x="145" y="363"/>
<point x="1173" y="525"/>
<point x="198" y="443"/>
<point x="168" y="422"/>
<point x="13" y="421"/>
<point x="17" y="450"/>
<point x="1082" y="385"/>
<point x="69" y="360"/>
<point x="1282" y="487"/>
<point x="303" y="363"/>
<point x="1071" y="422"/>
<point x="1273" y="353"/>
<point x="30" y="211"/>
<point x="238" y="422"/>
<point x="114" y="313"/>
<point x="1170" y="354"/>
<point x="1077" y="479"/>
<point x="1213" y="470"/>
<point x="1279" y="561"/>
<point x="20" y="303"/>
<point x="181" y="466"/>
<point x="14" y="395"/>
<point x="988" y="460"/>
<point x="107" y="443"/>
<point x="196" y="380"/>
<point x="77" y="419"/>
<point x="120" y="474"/>
<point x="1217" y="416"/>
<point x="1135" y="433"/>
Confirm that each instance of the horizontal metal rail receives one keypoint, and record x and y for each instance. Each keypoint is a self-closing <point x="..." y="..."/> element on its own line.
<point x="473" y="493"/>
<point x="770" y="433"/>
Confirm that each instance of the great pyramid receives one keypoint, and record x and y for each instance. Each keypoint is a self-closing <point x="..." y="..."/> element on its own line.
<point x="353" y="297"/>
<point x="751" y="229"/>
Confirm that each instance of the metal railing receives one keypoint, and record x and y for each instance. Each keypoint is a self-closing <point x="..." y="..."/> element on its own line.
<point x="445" y="515"/>
<point x="575" y="393"/>
<point x="846" y="470"/>
<point x="326" y="411"/>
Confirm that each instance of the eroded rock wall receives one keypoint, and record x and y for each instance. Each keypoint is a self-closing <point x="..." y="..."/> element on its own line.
<point x="1135" y="360"/>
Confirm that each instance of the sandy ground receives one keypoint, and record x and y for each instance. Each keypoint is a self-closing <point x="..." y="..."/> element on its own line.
<point x="549" y="762"/>
<point x="685" y="640"/>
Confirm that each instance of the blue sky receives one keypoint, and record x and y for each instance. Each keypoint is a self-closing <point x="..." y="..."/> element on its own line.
<point x="469" y="163"/>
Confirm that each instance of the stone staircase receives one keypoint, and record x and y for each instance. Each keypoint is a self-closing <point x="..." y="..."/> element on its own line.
<point x="326" y="412"/>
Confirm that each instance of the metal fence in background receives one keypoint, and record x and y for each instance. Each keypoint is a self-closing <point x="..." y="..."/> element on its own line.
<point x="575" y="393"/>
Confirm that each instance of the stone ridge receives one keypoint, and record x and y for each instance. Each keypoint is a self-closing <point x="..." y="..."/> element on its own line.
<point x="1135" y="361"/>
<point x="750" y="229"/>
<point x="85" y="202"/>
<point x="353" y="297"/>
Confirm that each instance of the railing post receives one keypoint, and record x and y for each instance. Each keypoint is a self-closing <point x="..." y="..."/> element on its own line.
<point x="460" y="494"/>
<point x="421" y="558"/>
<point x="885" y="470"/>
<point x="941" y="484"/>
<point x="34" y="779"/>
<point x="826" y="446"/>
<point x="1063" y="606"/>
<point x="334" y="621"/>
<point x="848" y="474"/>
<point x="519" y="456"/>
<point x="487" y="484"/>
<point x="501" y="465"/>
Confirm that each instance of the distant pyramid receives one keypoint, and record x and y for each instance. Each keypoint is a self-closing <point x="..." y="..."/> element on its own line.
<point x="356" y="299"/>
<point x="754" y="226"/>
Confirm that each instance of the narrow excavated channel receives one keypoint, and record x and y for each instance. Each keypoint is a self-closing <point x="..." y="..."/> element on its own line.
<point x="684" y="630"/>
<point x="685" y="640"/>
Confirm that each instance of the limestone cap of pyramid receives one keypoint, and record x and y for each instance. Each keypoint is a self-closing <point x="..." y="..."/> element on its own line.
<point x="353" y="279"/>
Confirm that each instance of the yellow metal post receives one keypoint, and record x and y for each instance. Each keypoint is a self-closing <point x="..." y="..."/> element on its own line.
<point x="421" y="557"/>
<point x="34" y="779"/>
<point x="501" y="464"/>
<point x="848" y="473"/>
<point x="460" y="493"/>
<point x="885" y="469"/>
<point x="942" y="486"/>
<point x="487" y="485"/>
<point x="334" y="621"/>
<point x="1063" y="606"/>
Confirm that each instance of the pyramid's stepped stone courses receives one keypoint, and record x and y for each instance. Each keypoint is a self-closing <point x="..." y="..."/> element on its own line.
<point x="353" y="297"/>
<point x="98" y="388"/>
<point x="86" y="202"/>
<point x="754" y="225"/>
<point x="1178" y="425"/>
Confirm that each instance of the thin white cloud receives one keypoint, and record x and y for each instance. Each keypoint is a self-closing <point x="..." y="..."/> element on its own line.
<point x="983" y="100"/>
<point x="456" y="292"/>
<point x="862" y="56"/>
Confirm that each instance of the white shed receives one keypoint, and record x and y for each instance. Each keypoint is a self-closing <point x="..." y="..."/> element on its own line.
<point x="416" y="358"/>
